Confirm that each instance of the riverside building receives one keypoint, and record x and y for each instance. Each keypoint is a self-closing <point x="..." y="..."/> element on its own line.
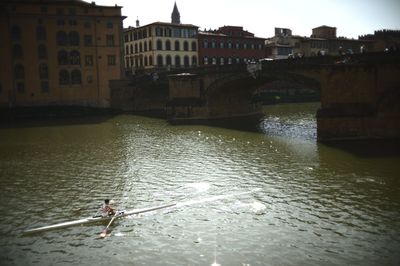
<point x="161" y="45"/>
<point x="59" y="52"/>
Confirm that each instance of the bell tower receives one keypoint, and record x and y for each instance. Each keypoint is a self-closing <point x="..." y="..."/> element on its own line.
<point x="175" y="17"/>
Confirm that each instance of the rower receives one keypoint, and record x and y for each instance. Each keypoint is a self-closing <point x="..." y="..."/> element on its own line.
<point x="107" y="209"/>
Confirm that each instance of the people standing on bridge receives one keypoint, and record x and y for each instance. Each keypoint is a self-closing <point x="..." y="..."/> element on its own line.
<point x="107" y="209"/>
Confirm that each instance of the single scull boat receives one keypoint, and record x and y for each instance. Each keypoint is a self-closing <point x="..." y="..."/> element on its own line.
<point x="97" y="219"/>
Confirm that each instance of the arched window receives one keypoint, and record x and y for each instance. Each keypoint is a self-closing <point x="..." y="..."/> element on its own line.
<point x="213" y="45"/>
<point x="17" y="51"/>
<point x="205" y="60"/>
<point x="145" y="46"/>
<point x="15" y="33"/>
<point x="74" y="38"/>
<point x="177" y="61"/>
<point x="62" y="57"/>
<point x="160" y="61"/>
<point x="76" y="77"/>
<point x="43" y="71"/>
<point x="150" y="60"/>
<point x="194" y="60"/>
<point x="62" y="38"/>
<point x="169" y="60"/>
<point x="63" y="77"/>
<point x="40" y="33"/>
<point x="159" y="45"/>
<point x="131" y="48"/>
<point x="145" y="61"/>
<point x="140" y="47"/>
<point x="168" y="45"/>
<point x="42" y="51"/>
<point x="136" y="48"/>
<point x="205" y="44"/>
<point x="186" y="46"/>
<point x="222" y="61"/>
<point x="74" y="58"/>
<point x="177" y="46"/>
<point x="19" y="72"/>
<point x="186" y="61"/>
<point x="194" y="46"/>
<point x="150" y="46"/>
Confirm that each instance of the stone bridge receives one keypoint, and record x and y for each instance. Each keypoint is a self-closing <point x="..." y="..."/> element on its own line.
<point x="360" y="94"/>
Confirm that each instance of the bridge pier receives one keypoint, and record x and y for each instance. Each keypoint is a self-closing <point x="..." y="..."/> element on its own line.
<point x="359" y="102"/>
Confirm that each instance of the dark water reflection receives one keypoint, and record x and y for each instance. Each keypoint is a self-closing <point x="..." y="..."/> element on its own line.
<point x="316" y="203"/>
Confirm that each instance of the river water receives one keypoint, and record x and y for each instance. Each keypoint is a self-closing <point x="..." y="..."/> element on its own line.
<point x="275" y="197"/>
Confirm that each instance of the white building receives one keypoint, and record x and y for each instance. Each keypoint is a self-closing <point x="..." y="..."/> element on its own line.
<point x="161" y="45"/>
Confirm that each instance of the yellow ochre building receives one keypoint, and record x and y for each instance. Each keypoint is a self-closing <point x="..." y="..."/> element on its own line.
<point x="59" y="52"/>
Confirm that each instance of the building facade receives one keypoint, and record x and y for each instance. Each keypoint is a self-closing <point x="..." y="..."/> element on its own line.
<point x="323" y="41"/>
<point x="229" y="45"/>
<point x="60" y="52"/>
<point x="161" y="45"/>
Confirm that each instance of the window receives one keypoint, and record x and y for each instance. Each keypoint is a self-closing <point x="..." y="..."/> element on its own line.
<point x="19" y="72"/>
<point x="229" y="61"/>
<point x="168" y="45"/>
<point x="131" y="48"/>
<point x="63" y="77"/>
<point x="186" y="46"/>
<point x="186" y="61"/>
<point x="62" y="38"/>
<point x="222" y="61"/>
<point x="62" y="57"/>
<point x="214" y="61"/>
<point x="44" y="86"/>
<point x="150" y="46"/>
<point x="205" y="44"/>
<point x="140" y="47"/>
<point x="20" y="87"/>
<point x="16" y="33"/>
<point x="74" y="38"/>
<point x="76" y="77"/>
<point x="177" y="46"/>
<point x="169" y="60"/>
<point x="159" y="32"/>
<point x="213" y="44"/>
<point x="43" y="71"/>
<point x="177" y="61"/>
<point x="88" y="40"/>
<point x="111" y="60"/>
<point x="159" y="45"/>
<point x="74" y="58"/>
<point x="145" y="61"/>
<point x="17" y="51"/>
<point x="160" y="61"/>
<point x="194" y="60"/>
<point x="221" y="45"/>
<point x="110" y="40"/>
<point x="127" y="49"/>
<point x="229" y="45"/>
<point x="150" y="60"/>
<point x="205" y="60"/>
<point x="194" y="46"/>
<point x="89" y="60"/>
<point x="40" y="33"/>
<point x="109" y="25"/>
<point x="136" y="48"/>
<point x="145" y="46"/>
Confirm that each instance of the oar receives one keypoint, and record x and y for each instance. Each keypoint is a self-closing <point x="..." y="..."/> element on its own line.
<point x="104" y="233"/>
